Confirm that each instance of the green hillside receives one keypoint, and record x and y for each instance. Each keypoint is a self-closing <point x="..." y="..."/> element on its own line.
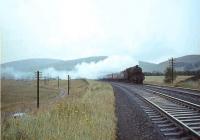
<point x="184" y="63"/>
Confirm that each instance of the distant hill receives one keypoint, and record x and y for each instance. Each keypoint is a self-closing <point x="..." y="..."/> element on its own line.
<point x="28" y="66"/>
<point x="184" y="63"/>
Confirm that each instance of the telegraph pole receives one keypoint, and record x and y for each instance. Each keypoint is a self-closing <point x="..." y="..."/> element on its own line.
<point x="45" y="80"/>
<point x="38" y="87"/>
<point x="38" y="82"/>
<point x="68" y="84"/>
<point x="172" y="64"/>
<point x="58" y="82"/>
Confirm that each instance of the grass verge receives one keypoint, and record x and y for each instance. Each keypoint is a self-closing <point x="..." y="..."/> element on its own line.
<point x="189" y="84"/>
<point x="181" y="81"/>
<point x="88" y="113"/>
<point x="19" y="94"/>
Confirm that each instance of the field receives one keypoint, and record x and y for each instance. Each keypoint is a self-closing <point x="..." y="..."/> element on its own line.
<point x="18" y="94"/>
<point x="179" y="82"/>
<point x="87" y="113"/>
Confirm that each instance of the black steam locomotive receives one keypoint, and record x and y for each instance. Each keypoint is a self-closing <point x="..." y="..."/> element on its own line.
<point x="132" y="74"/>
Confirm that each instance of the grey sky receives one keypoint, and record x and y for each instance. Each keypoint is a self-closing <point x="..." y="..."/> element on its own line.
<point x="150" y="30"/>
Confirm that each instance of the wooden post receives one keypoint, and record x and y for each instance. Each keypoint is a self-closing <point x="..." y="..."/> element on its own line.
<point x="45" y="80"/>
<point x="172" y="65"/>
<point x="58" y="82"/>
<point x="68" y="84"/>
<point x="38" y="77"/>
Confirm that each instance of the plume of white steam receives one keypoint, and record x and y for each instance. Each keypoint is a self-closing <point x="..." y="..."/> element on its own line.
<point x="91" y="70"/>
<point x="110" y="65"/>
<point x="11" y="73"/>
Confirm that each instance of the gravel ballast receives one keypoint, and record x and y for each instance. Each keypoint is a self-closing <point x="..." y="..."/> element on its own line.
<point x="133" y="123"/>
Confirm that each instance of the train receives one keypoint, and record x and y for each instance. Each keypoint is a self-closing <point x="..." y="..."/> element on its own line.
<point x="132" y="74"/>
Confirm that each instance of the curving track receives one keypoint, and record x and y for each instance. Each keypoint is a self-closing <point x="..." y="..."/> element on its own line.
<point x="193" y="92"/>
<point x="176" y="118"/>
<point x="186" y="94"/>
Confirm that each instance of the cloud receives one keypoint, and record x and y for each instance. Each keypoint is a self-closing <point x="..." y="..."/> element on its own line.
<point x="67" y="29"/>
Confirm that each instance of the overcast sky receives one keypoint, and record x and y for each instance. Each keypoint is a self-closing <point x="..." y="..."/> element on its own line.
<point x="149" y="30"/>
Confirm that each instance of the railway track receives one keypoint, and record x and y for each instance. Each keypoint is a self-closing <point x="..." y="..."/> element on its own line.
<point x="184" y="94"/>
<point x="176" y="118"/>
<point x="190" y="92"/>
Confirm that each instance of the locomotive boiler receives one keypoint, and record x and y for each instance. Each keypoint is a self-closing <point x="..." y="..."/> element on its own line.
<point x="134" y="75"/>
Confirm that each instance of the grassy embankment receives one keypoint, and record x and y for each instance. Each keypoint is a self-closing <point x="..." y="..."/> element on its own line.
<point x="181" y="81"/>
<point x="87" y="113"/>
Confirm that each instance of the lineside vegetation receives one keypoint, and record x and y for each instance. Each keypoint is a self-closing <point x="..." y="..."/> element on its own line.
<point x="87" y="113"/>
<point x="180" y="81"/>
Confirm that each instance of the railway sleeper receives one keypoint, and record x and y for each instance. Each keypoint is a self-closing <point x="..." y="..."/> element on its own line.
<point x="166" y="125"/>
<point x="191" y="120"/>
<point x="152" y="114"/>
<point x="184" y="115"/>
<point x="177" y="134"/>
<point x="169" y="129"/>
<point x="171" y="105"/>
<point x="196" y="128"/>
<point x="191" y="124"/>
<point x="176" y="107"/>
<point x="159" y="119"/>
<point x="188" y="117"/>
<point x="162" y="122"/>
<point x="179" y="111"/>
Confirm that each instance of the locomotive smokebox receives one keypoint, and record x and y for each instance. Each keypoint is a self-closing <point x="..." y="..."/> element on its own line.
<point x="134" y="75"/>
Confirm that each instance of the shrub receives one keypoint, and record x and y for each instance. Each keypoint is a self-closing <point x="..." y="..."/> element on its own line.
<point x="168" y="75"/>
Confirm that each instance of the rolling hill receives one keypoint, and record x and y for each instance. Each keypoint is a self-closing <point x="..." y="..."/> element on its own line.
<point x="184" y="63"/>
<point x="28" y="66"/>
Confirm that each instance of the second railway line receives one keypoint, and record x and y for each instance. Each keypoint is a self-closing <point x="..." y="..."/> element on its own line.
<point x="188" y="95"/>
<point x="195" y="93"/>
<point x="174" y="117"/>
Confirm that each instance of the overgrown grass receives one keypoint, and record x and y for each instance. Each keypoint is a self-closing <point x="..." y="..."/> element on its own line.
<point x="189" y="84"/>
<point x="88" y="113"/>
<point x="19" y="94"/>
<point x="181" y="81"/>
<point x="160" y="79"/>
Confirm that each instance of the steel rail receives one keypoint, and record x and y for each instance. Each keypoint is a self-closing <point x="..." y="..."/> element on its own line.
<point x="179" y="90"/>
<point x="186" y="103"/>
<point x="172" y="118"/>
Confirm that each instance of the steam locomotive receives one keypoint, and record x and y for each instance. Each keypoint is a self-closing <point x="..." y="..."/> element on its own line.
<point x="132" y="74"/>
